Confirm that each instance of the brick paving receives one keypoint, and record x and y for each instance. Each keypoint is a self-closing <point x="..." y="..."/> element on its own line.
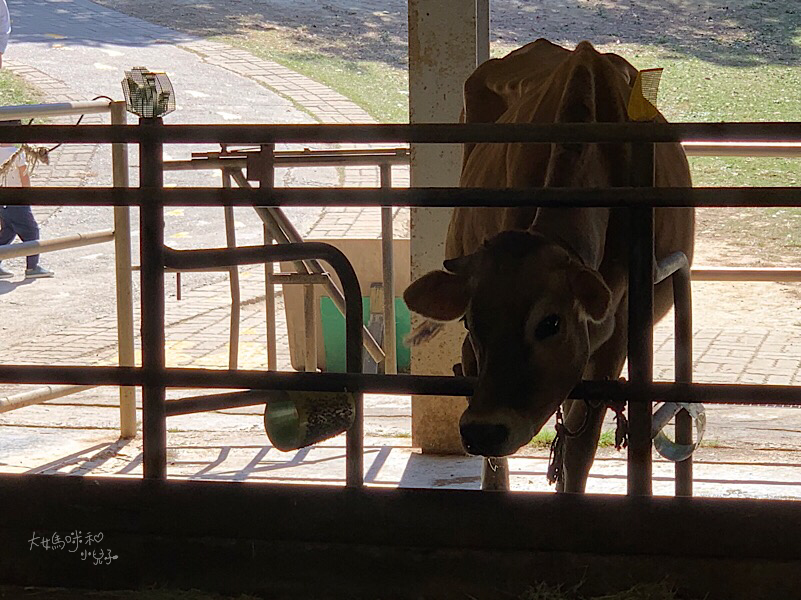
<point x="327" y="106"/>
<point x="68" y="164"/>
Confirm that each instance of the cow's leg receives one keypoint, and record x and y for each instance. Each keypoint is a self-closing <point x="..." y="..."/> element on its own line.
<point x="606" y="363"/>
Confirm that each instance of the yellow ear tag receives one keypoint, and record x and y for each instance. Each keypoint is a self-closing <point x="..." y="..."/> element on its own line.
<point x="642" y="102"/>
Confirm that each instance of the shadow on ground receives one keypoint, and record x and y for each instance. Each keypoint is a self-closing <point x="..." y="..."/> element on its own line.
<point x="736" y="33"/>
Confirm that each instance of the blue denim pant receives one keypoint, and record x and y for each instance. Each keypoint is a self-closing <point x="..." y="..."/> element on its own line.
<point x="19" y="221"/>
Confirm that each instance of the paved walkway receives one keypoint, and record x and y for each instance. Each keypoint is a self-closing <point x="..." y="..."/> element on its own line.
<point x="75" y="50"/>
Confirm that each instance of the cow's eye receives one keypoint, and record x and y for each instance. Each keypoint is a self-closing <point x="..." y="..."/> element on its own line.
<point x="547" y="327"/>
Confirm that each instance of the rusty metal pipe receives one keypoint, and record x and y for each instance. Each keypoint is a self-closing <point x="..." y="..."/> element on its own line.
<point x="682" y="300"/>
<point x="411" y="133"/>
<point x="388" y="274"/>
<point x="186" y="259"/>
<point x="233" y="281"/>
<point x="364" y="159"/>
<point x="641" y="325"/>
<point x="772" y="274"/>
<point x="677" y="267"/>
<point x="151" y="247"/>
<point x="727" y="197"/>
<point x="707" y="393"/>
<point x="286" y="233"/>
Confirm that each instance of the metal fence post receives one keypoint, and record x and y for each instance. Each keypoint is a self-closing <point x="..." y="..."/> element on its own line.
<point x="233" y="280"/>
<point x="309" y="330"/>
<point x="151" y="240"/>
<point x="683" y="363"/>
<point x="267" y="180"/>
<point x="354" y="438"/>
<point x="641" y="326"/>
<point x="387" y="254"/>
<point x="269" y="306"/>
<point x="124" y="285"/>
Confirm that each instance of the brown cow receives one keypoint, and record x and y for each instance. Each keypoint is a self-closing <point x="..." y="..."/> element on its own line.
<point x="543" y="292"/>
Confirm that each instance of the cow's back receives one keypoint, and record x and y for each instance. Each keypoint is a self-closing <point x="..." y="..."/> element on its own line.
<point x="529" y="86"/>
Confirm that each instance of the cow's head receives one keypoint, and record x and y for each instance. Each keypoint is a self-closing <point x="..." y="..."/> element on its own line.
<point x="527" y="306"/>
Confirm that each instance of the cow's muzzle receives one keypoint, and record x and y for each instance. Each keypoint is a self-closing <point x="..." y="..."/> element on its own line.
<point x="485" y="439"/>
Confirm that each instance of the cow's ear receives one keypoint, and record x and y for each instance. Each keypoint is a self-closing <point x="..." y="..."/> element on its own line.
<point x="438" y="295"/>
<point x="593" y="295"/>
<point x="458" y="265"/>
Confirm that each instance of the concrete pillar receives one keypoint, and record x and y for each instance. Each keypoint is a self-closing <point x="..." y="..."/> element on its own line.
<point x="446" y="40"/>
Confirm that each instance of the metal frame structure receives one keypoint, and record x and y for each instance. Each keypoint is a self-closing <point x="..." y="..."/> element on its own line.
<point x="120" y="235"/>
<point x="260" y="164"/>
<point x="233" y="161"/>
<point x="152" y="197"/>
<point x="257" y="162"/>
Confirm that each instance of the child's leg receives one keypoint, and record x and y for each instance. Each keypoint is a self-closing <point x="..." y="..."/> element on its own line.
<point x="22" y="220"/>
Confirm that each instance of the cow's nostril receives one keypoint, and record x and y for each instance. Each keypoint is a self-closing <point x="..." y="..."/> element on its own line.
<point x="483" y="437"/>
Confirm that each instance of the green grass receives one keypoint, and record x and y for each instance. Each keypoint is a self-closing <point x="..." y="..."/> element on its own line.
<point x="692" y="89"/>
<point x="701" y="82"/>
<point x="695" y="90"/>
<point x="545" y="437"/>
<point x="376" y="87"/>
<point x="15" y="91"/>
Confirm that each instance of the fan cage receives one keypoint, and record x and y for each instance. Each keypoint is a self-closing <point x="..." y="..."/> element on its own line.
<point x="148" y="94"/>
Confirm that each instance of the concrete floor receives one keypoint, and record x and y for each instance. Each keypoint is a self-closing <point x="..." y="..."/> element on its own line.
<point x="77" y="436"/>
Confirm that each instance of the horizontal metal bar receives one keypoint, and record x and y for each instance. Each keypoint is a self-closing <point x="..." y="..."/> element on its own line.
<point x="243" y="255"/>
<point x="37" y="396"/>
<point x="62" y="243"/>
<point x="207" y="402"/>
<point x="233" y="151"/>
<point x="708" y="393"/>
<point x="365" y="159"/>
<point x="423" y="197"/>
<point x="55" y="109"/>
<point x="745" y="274"/>
<point x="669" y="265"/>
<point x="227" y="379"/>
<point x="754" y="149"/>
<point x="171" y="270"/>
<point x="299" y="278"/>
<point x="201" y="161"/>
<point x="369" y="159"/>
<point x="417" y="133"/>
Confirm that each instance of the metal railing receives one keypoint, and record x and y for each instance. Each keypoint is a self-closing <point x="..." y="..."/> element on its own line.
<point x="233" y="162"/>
<point x="260" y="164"/>
<point x="120" y="235"/>
<point x="640" y="391"/>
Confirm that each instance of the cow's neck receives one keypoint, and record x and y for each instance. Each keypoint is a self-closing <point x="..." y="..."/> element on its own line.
<point x="582" y="231"/>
